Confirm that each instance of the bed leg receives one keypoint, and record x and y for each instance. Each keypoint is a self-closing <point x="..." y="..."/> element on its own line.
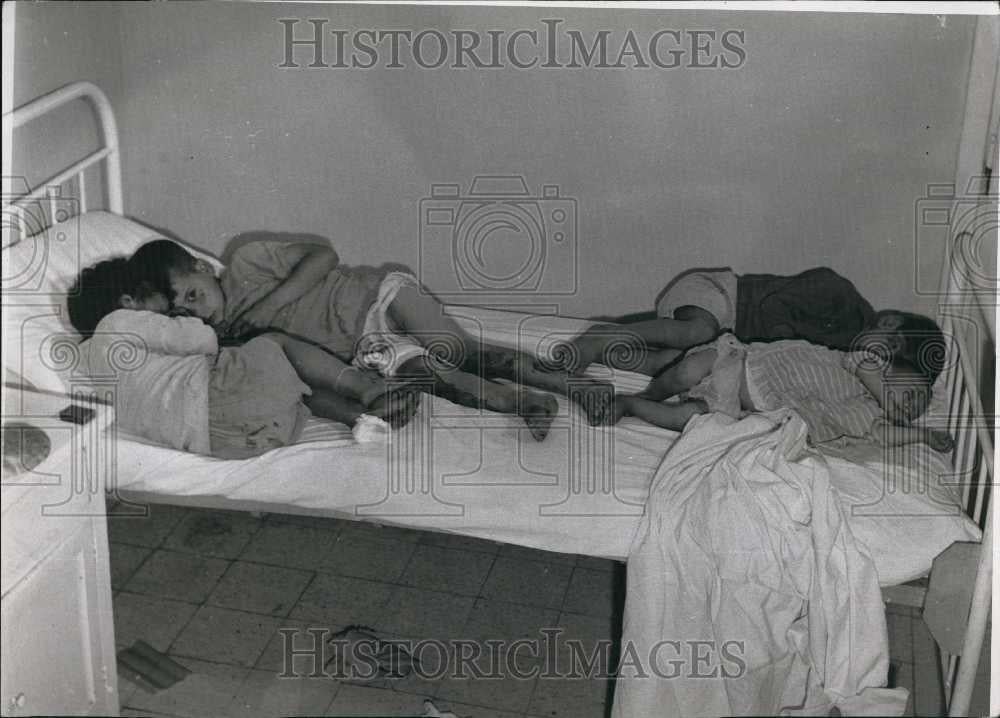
<point x="975" y="632"/>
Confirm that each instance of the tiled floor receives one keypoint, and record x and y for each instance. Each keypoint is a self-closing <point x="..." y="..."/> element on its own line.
<point x="212" y="589"/>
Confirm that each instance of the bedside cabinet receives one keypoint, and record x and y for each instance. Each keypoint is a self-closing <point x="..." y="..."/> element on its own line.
<point x="58" y="644"/>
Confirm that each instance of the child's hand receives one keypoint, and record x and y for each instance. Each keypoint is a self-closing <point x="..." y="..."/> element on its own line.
<point x="258" y="317"/>
<point x="940" y="441"/>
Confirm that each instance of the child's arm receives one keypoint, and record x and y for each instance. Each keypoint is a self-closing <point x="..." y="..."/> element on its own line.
<point x="312" y="262"/>
<point x="178" y="336"/>
<point x="889" y="434"/>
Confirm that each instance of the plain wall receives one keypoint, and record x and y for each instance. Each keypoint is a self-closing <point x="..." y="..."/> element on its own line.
<point x="54" y="44"/>
<point x="814" y="152"/>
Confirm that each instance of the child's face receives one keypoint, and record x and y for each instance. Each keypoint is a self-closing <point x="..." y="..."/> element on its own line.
<point x="150" y="302"/>
<point x="883" y="333"/>
<point x="199" y="294"/>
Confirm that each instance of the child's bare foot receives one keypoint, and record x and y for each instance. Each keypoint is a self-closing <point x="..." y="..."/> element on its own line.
<point x="396" y="406"/>
<point x="538" y="411"/>
<point x="597" y="399"/>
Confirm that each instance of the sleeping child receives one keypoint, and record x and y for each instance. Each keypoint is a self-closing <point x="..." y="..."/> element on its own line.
<point x="176" y="386"/>
<point x="873" y="392"/>
<point x="817" y="305"/>
<point x="372" y="317"/>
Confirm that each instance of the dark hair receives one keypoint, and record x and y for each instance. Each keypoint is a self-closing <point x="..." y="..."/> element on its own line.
<point x="923" y="348"/>
<point x="155" y="260"/>
<point x="98" y="291"/>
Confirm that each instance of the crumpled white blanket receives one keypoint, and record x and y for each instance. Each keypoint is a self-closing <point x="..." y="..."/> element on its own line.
<point x="747" y="591"/>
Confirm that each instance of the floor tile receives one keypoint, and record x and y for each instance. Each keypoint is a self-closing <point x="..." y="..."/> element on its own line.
<point x="182" y="576"/>
<point x="465" y="543"/>
<point x="264" y="694"/>
<point x="529" y="582"/>
<point x="509" y="693"/>
<point x="125" y="559"/>
<point x="598" y="564"/>
<point x="513" y="551"/>
<point x="149" y="530"/>
<point x="339" y="600"/>
<point x="442" y="569"/>
<point x="568" y="697"/>
<point x="157" y="621"/>
<point x="376" y="531"/>
<point x="508" y="622"/>
<point x="259" y="588"/>
<point x="125" y="687"/>
<point x="327" y="523"/>
<point x="290" y="545"/>
<point x="214" y="533"/>
<point x="218" y="634"/>
<point x="585" y="640"/>
<point x="464" y="709"/>
<point x="594" y="593"/>
<point x="354" y="700"/>
<point x="419" y="613"/>
<point x="378" y="560"/>
<point x="207" y="691"/>
<point x="305" y="643"/>
<point x="137" y="713"/>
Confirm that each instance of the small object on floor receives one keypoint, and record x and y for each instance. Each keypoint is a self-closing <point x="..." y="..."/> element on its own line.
<point x="432" y="711"/>
<point x="149" y="669"/>
<point x="360" y="655"/>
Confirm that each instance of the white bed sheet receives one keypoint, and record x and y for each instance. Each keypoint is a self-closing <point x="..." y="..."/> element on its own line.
<point x="481" y="474"/>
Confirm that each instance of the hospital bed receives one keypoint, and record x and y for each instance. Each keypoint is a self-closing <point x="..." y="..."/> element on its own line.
<point x="455" y="469"/>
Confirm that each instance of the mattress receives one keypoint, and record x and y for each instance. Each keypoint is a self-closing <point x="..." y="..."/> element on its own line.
<point x="477" y="473"/>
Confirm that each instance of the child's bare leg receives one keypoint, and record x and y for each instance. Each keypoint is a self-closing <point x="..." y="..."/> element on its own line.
<point x="536" y="409"/>
<point x="322" y="370"/>
<point x="330" y="405"/>
<point x="689" y="327"/>
<point x="594" y="397"/>
<point x="669" y="416"/>
<point x="681" y="376"/>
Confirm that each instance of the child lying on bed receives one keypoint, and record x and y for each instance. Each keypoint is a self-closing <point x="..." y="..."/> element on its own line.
<point x="375" y="318"/>
<point x="817" y="305"/>
<point x="874" y="392"/>
<point x="175" y="385"/>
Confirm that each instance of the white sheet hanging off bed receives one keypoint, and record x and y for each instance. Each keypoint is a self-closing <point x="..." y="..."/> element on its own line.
<point x="745" y="540"/>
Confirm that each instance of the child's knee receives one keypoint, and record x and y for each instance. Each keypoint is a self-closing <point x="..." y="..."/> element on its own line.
<point x="700" y="326"/>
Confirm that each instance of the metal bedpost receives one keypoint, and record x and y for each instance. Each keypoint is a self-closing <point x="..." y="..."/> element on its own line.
<point x="975" y="632"/>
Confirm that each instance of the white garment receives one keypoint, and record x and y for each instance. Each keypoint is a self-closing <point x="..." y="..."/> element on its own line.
<point x="381" y="346"/>
<point x="744" y="540"/>
<point x="159" y="367"/>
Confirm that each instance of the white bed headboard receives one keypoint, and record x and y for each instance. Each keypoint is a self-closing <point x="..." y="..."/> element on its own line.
<point x="14" y="201"/>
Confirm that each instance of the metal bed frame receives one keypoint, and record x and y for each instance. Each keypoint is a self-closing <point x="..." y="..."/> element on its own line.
<point x="972" y="458"/>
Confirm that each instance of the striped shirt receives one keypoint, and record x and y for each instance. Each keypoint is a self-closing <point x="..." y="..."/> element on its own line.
<point x="815" y="381"/>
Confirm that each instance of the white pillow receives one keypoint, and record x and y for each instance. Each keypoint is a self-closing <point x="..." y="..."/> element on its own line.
<point x="39" y="342"/>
